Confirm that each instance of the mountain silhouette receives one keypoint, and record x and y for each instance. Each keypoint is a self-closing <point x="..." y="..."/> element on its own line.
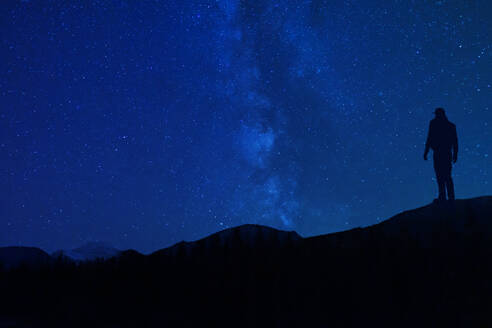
<point x="425" y="267"/>
<point x="247" y="235"/>
<point x="88" y="252"/>
<point x="15" y="256"/>
<point x="427" y="224"/>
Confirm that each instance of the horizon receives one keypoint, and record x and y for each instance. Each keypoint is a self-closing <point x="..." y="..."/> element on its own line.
<point x="108" y="245"/>
<point x="145" y="124"/>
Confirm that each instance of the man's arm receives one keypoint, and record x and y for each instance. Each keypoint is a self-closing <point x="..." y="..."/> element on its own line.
<point x="455" y="145"/>
<point x="427" y="142"/>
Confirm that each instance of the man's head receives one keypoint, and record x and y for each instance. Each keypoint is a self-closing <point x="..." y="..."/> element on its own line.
<point x="440" y="112"/>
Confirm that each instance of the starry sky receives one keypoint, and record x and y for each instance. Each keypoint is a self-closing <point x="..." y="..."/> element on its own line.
<point x="144" y="123"/>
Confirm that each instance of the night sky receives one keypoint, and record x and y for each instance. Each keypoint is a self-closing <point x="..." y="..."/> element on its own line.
<point x="144" y="123"/>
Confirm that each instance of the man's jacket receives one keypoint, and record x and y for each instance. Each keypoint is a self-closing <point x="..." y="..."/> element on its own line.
<point x="442" y="136"/>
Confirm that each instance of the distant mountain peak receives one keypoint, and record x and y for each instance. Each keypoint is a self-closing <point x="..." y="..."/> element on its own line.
<point x="89" y="251"/>
<point x="246" y="235"/>
<point x="250" y="230"/>
<point x="95" y="245"/>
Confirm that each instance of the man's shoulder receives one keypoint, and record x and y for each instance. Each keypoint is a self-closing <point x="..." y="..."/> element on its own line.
<point x="435" y="121"/>
<point x="452" y="125"/>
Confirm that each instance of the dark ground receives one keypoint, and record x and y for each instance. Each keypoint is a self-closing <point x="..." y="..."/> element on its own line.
<point x="430" y="267"/>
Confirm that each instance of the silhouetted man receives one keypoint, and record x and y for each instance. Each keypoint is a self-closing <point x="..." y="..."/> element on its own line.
<point x="443" y="140"/>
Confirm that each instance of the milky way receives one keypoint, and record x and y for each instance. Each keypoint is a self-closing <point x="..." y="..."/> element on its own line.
<point x="145" y="123"/>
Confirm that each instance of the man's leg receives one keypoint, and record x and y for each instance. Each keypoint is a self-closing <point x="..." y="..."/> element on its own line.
<point x="450" y="187"/>
<point x="440" y="167"/>
<point x="441" y="184"/>
<point x="450" y="184"/>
